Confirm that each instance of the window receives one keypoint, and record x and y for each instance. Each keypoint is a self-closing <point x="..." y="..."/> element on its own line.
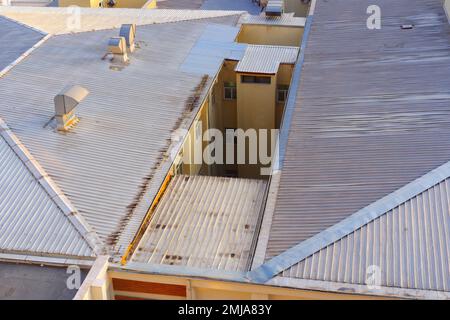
<point x="255" y="79"/>
<point x="229" y="91"/>
<point x="282" y="93"/>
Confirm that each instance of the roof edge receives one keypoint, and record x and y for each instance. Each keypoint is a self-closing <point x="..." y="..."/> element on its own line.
<point x="45" y="260"/>
<point x="355" y="289"/>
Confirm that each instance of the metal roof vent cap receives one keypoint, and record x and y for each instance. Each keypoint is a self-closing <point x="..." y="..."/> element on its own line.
<point x="117" y="46"/>
<point x="274" y="8"/>
<point x="128" y="31"/>
<point x="65" y="103"/>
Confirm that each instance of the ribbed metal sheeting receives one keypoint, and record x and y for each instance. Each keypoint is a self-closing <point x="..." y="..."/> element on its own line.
<point x="60" y="20"/>
<point x="30" y="221"/>
<point x="266" y="59"/>
<point x="112" y="163"/>
<point x="372" y="114"/>
<point x="204" y="222"/>
<point x="15" y="40"/>
<point x="409" y="247"/>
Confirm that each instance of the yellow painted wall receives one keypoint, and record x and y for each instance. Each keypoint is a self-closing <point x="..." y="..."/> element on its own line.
<point x="129" y="3"/>
<point x="255" y="108"/>
<point x="190" y="144"/>
<point x="150" y="4"/>
<point x="226" y="115"/>
<point x="224" y="112"/>
<point x="271" y="35"/>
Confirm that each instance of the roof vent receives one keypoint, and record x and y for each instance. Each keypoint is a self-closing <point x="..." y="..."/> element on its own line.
<point x="128" y="31"/>
<point x="118" y="47"/>
<point x="65" y="103"/>
<point x="275" y="8"/>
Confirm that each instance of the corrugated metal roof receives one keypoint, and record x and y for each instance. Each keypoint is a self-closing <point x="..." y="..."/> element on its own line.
<point x="30" y="220"/>
<point x="372" y="114"/>
<point x="113" y="162"/>
<point x="34" y="282"/>
<point x="216" y="44"/>
<point x="58" y="20"/>
<point x="204" y="222"/>
<point x="266" y="59"/>
<point x="285" y="20"/>
<point x="409" y="244"/>
<point x="15" y="39"/>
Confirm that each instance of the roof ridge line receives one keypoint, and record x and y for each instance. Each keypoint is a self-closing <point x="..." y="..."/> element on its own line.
<point x="306" y="248"/>
<point x="51" y="188"/>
